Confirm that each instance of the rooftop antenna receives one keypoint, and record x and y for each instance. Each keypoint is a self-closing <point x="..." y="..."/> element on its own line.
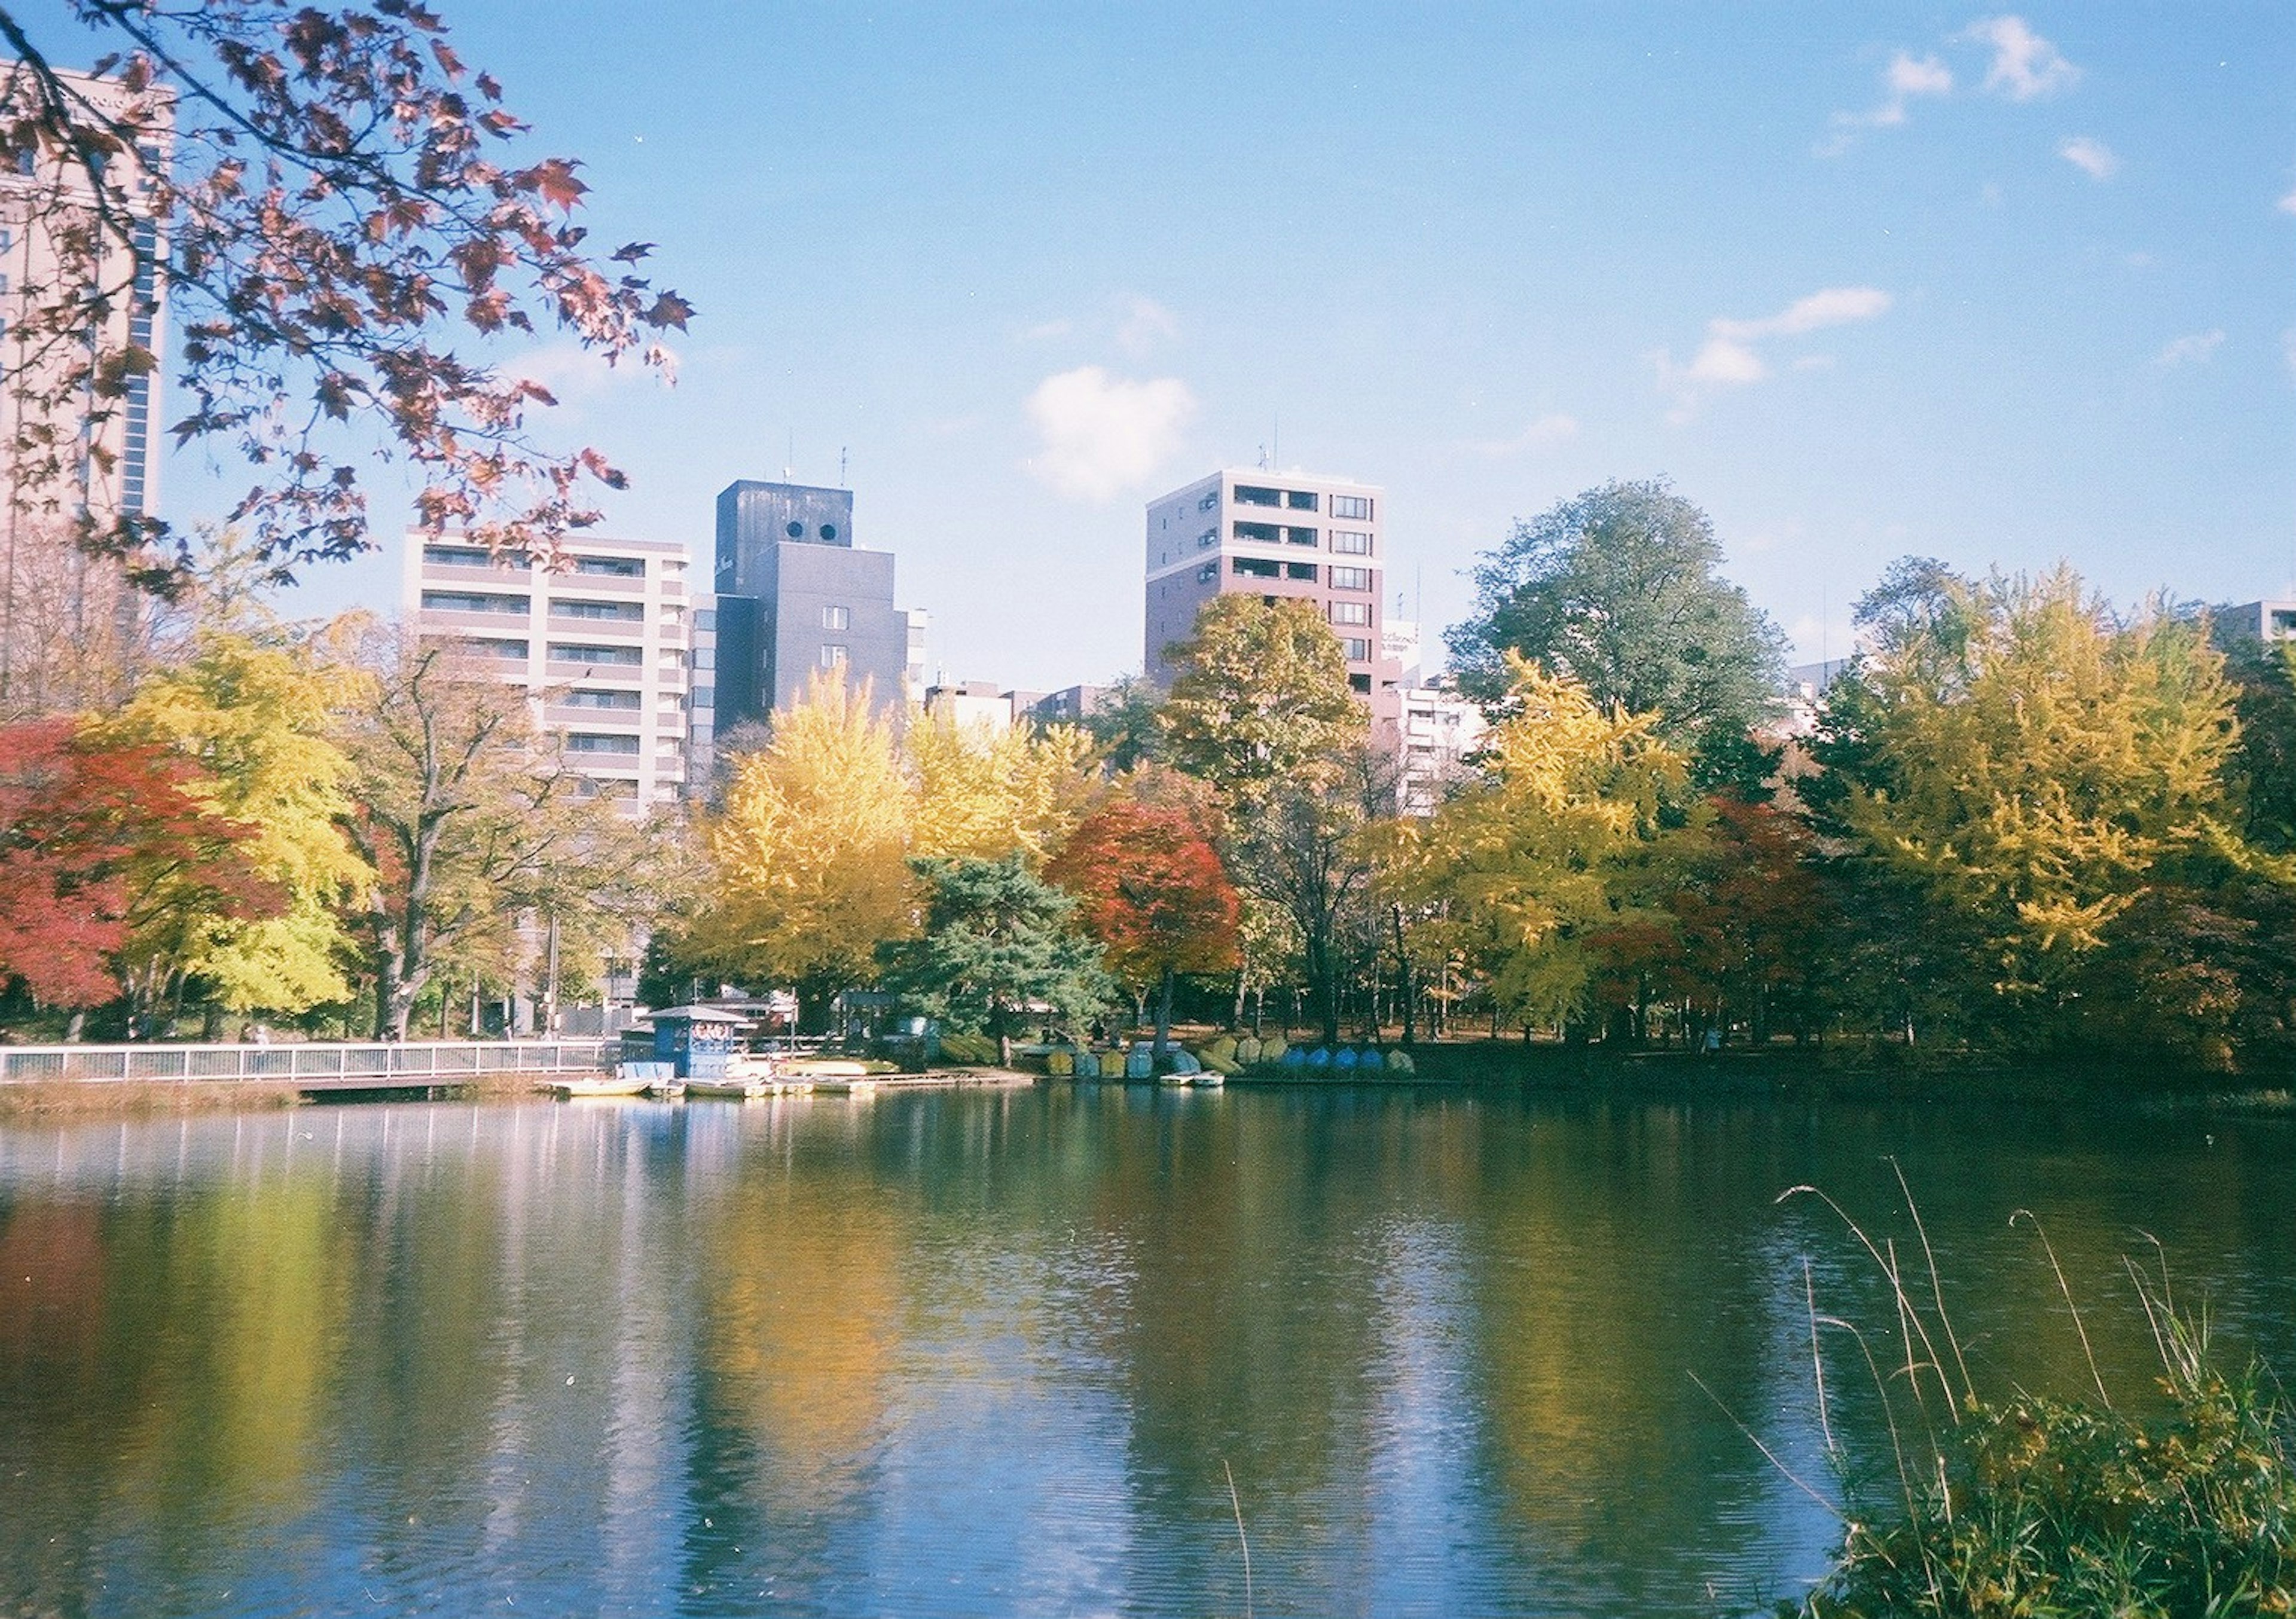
<point x="1275" y="444"/>
<point x="1263" y="458"/>
<point x="787" y="475"/>
<point x="841" y="468"/>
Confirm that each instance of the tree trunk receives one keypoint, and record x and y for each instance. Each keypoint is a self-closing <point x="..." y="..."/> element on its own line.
<point x="1164" y="1013"/>
<point x="1405" y="991"/>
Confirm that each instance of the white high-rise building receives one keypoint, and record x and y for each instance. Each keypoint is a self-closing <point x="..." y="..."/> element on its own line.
<point x="602" y="647"/>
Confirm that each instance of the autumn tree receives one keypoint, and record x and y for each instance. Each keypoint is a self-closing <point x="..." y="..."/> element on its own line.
<point x="334" y="204"/>
<point x="1545" y="856"/>
<point x="472" y="823"/>
<point x="1260" y="695"/>
<point x="1151" y="890"/>
<point x="1620" y="590"/>
<point x="2057" y="781"/>
<point x="257" y="714"/>
<point x="1260" y="710"/>
<point x="998" y="941"/>
<point x="103" y="837"/>
<point x="808" y="853"/>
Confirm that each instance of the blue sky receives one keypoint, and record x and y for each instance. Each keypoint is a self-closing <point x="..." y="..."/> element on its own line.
<point x="2002" y="287"/>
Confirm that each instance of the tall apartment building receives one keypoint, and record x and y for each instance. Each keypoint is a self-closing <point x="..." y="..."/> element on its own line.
<point x="65" y="617"/>
<point x="602" y="647"/>
<point x="796" y="597"/>
<point x="1275" y="536"/>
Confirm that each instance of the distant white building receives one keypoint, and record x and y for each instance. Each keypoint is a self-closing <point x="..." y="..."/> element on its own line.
<point x="2265" y="620"/>
<point x="601" y="648"/>
<point x="1437" y="730"/>
<point x="972" y="704"/>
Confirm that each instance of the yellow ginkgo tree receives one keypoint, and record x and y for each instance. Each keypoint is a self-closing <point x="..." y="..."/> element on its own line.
<point x="1529" y="868"/>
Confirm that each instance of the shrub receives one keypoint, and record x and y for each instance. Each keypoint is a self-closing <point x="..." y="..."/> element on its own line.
<point x="1248" y="1051"/>
<point x="969" y="1050"/>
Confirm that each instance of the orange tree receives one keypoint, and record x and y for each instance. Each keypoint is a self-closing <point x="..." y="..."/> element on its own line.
<point x="102" y="841"/>
<point x="1151" y="890"/>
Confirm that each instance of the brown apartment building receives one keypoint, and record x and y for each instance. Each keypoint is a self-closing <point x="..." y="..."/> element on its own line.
<point x="1272" y="535"/>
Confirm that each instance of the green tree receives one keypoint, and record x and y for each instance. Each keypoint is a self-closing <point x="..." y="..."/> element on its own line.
<point x="999" y="941"/>
<point x="1620" y="590"/>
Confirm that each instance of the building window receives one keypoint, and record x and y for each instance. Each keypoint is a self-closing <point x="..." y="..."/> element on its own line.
<point x="1252" y="495"/>
<point x="1356" y="648"/>
<point x="1209" y="538"/>
<point x="590" y="741"/>
<point x="471" y="601"/>
<point x="610" y="612"/>
<point x="1300" y="571"/>
<point x="611" y="568"/>
<point x="1261" y="534"/>
<point x="1350" y="578"/>
<point x="1351" y="541"/>
<point x="488" y="647"/>
<point x="1351" y="505"/>
<point x="1350" y="612"/>
<point x="1256" y="568"/>
<point x="1301" y="537"/>
<point x="600" y="700"/>
<point x="1206" y="574"/>
<point x="832" y="656"/>
<point x="1299" y="500"/>
<point x="564" y="652"/>
<point x="829" y="531"/>
<point x="1210" y="501"/>
<point x="836" y="618"/>
<point x="459" y="556"/>
<point x="1360" y="684"/>
<point x="795" y="531"/>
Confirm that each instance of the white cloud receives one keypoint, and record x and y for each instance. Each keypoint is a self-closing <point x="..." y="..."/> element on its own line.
<point x="1728" y="358"/>
<point x="1906" y="78"/>
<point x="2025" y="67"/>
<point x="1550" y="430"/>
<point x="1146" y="324"/>
<point x="1829" y="306"/>
<point x="2287" y="204"/>
<point x="1046" y="331"/>
<point x="2092" y="157"/>
<point x="1102" y="434"/>
<point x="2193" y="350"/>
<point x="1727" y="361"/>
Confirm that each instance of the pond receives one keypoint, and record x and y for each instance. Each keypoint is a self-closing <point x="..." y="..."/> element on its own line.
<point x="1049" y="1351"/>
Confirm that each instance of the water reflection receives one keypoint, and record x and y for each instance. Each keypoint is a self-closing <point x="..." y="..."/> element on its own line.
<point x="1002" y="1354"/>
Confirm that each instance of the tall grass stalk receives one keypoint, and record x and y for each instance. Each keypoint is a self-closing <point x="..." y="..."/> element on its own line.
<point x="2025" y="1507"/>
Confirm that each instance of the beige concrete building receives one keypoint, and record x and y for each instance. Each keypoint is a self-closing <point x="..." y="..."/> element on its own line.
<point x="1273" y="534"/>
<point x="603" y="648"/>
<point x="69" y="623"/>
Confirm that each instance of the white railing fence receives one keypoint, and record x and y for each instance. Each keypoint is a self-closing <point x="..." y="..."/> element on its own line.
<point x="316" y="1065"/>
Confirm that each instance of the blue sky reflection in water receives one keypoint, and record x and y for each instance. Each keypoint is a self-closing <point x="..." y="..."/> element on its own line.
<point x="989" y="1354"/>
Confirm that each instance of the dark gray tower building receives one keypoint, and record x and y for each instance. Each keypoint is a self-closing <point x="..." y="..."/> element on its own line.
<point x="795" y="597"/>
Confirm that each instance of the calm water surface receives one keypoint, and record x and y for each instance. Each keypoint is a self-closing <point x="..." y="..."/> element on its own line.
<point x="992" y="1353"/>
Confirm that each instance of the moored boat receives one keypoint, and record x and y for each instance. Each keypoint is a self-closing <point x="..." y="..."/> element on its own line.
<point x="599" y="1085"/>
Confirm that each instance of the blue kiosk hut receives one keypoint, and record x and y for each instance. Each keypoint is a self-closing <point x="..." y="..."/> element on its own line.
<point x="697" y="1041"/>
